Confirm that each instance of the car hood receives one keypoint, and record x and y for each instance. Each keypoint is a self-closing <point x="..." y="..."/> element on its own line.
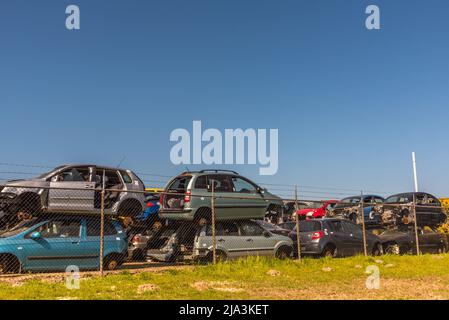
<point x="305" y="211"/>
<point x="390" y="237"/>
<point x="25" y="183"/>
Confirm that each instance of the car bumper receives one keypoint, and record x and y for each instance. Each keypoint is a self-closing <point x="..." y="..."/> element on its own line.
<point x="177" y="214"/>
<point x="163" y="256"/>
<point x="309" y="249"/>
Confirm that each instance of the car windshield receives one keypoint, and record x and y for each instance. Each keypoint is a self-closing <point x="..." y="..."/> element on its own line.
<point x="179" y="183"/>
<point x="288" y="225"/>
<point x="314" y="205"/>
<point x="49" y="173"/>
<point x="268" y="225"/>
<point x="19" y="228"/>
<point x="348" y="201"/>
<point x="152" y="197"/>
<point x="404" y="198"/>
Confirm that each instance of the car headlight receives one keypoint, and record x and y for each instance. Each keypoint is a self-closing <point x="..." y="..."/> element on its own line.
<point x="309" y="214"/>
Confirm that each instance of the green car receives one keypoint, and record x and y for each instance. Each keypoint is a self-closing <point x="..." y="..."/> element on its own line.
<point x="188" y="197"/>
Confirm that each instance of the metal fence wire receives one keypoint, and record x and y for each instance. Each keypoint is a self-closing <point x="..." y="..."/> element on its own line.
<point x="100" y="226"/>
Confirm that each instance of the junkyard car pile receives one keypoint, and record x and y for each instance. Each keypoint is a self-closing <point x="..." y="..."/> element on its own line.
<point x="53" y="221"/>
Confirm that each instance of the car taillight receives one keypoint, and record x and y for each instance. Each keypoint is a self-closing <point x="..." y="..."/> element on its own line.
<point x="317" y="235"/>
<point x="136" y="239"/>
<point x="150" y="204"/>
<point x="187" y="196"/>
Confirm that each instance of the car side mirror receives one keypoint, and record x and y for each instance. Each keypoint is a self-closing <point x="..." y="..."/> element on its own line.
<point x="35" y="235"/>
<point x="266" y="234"/>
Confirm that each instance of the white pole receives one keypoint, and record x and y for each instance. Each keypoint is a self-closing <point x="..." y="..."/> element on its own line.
<point x="414" y="171"/>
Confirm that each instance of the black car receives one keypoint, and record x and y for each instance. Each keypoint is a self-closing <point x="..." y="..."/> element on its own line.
<point x="397" y="209"/>
<point x="334" y="237"/>
<point x="403" y="241"/>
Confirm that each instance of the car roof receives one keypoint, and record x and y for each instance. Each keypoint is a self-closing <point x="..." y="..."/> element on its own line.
<point x="90" y="165"/>
<point x="410" y="193"/>
<point x="364" y="196"/>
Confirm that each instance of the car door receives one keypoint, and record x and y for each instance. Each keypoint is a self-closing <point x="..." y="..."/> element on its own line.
<point x="249" y="202"/>
<point x="228" y="239"/>
<point x="57" y="247"/>
<point x="355" y="237"/>
<point x="72" y="190"/>
<point x="91" y="240"/>
<point x="259" y="242"/>
<point x="225" y="204"/>
<point x="339" y="237"/>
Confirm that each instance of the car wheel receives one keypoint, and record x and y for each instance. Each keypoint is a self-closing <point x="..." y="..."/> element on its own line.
<point x="393" y="248"/>
<point x="283" y="253"/>
<point x="328" y="252"/>
<point x="442" y="249"/>
<point x="377" y="250"/>
<point x="111" y="262"/>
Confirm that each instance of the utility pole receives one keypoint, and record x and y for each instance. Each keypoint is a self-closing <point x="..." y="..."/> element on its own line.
<point x="415" y="176"/>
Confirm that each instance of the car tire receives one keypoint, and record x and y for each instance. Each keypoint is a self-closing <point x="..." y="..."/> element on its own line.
<point x="203" y="216"/>
<point x="329" y="252"/>
<point x="283" y="252"/>
<point x="393" y="248"/>
<point x="9" y="264"/>
<point x="111" y="262"/>
<point x="377" y="250"/>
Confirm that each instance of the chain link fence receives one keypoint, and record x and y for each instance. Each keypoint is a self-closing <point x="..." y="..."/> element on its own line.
<point x="102" y="225"/>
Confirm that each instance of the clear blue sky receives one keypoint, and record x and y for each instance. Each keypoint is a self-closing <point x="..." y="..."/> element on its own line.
<point x="350" y="104"/>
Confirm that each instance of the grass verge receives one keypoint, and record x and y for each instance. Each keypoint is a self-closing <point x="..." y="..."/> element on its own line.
<point x="401" y="277"/>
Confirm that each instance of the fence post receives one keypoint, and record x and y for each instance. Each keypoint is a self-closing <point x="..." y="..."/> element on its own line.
<point x="416" y="224"/>
<point x="102" y="224"/>
<point x="298" y="234"/>
<point x="214" y="238"/>
<point x="362" y="211"/>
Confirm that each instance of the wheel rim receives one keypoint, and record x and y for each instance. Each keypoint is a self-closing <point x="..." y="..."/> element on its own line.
<point x="112" y="265"/>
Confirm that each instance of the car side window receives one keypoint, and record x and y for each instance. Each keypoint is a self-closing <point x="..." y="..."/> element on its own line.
<point x="378" y="200"/>
<point x="74" y="175"/>
<point x="94" y="228"/>
<point x="221" y="183"/>
<point x="251" y="229"/>
<point x="60" y="229"/>
<point x="126" y="177"/>
<point x="243" y="186"/>
<point x="201" y="182"/>
<point x="228" y="229"/>
<point x="336" y="226"/>
<point x="349" y="227"/>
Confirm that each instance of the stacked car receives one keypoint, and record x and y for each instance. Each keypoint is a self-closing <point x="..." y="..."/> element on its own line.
<point x="54" y="221"/>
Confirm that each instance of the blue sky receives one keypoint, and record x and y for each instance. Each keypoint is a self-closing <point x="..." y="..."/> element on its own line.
<point x="350" y="104"/>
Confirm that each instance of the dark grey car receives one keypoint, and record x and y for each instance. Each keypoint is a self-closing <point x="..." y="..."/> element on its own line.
<point x="333" y="237"/>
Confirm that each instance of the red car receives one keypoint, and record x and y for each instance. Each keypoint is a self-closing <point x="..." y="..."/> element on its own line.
<point x="316" y="210"/>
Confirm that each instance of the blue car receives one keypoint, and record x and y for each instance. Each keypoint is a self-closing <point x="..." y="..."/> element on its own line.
<point x="152" y="207"/>
<point x="56" y="243"/>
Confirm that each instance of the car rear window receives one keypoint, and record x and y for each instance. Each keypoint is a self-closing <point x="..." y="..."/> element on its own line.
<point x="180" y="183"/>
<point x="309" y="226"/>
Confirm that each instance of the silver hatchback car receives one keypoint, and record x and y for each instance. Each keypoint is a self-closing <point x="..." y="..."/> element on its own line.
<point x="74" y="189"/>
<point x="235" y="239"/>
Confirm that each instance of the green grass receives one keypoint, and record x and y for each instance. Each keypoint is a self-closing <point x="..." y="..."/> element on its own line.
<point x="402" y="277"/>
